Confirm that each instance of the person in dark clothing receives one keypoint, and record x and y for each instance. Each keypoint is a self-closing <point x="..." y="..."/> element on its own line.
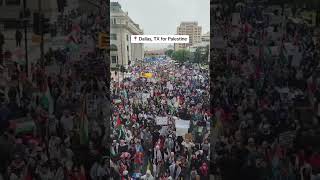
<point x="18" y="38"/>
<point x="1" y="47"/>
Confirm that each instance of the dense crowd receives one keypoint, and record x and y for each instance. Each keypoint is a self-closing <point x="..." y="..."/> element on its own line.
<point x="144" y="147"/>
<point x="264" y="101"/>
<point x="54" y="122"/>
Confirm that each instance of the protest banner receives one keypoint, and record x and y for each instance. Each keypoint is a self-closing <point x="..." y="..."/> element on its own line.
<point x="147" y="75"/>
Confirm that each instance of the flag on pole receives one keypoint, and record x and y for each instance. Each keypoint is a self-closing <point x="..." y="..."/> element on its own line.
<point x="84" y="132"/>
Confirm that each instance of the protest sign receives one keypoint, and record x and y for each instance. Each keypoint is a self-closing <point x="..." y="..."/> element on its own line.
<point x="182" y="127"/>
<point x="236" y="19"/>
<point x="287" y="138"/>
<point x="161" y="120"/>
<point x="117" y="101"/>
<point x="58" y="42"/>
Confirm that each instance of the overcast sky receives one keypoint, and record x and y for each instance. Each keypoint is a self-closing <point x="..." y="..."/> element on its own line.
<point x="163" y="16"/>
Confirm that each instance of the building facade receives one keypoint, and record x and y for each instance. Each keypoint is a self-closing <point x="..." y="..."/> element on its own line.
<point x="122" y="51"/>
<point x="206" y="37"/>
<point x="193" y="30"/>
<point x="203" y="45"/>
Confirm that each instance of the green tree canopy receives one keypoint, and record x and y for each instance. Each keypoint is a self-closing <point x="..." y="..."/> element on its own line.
<point x="169" y="52"/>
<point x="181" y="55"/>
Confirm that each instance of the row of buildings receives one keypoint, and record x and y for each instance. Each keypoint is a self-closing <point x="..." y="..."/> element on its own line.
<point x="123" y="52"/>
<point x="196" y="39"/>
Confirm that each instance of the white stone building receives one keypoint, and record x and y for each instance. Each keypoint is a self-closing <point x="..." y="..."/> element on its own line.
<point x="122" y="51"/>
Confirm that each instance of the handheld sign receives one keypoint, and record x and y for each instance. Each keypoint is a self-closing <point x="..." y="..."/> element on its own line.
<point x="161" y="120"/>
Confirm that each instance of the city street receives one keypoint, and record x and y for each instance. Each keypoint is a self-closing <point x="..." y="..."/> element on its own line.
<point x="161" y="113"/>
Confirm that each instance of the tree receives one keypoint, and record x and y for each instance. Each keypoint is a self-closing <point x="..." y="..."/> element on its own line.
<point x="201" y="54"/>
<point x="169" y="52"/>
<point x="205" y="55"/>
<point x="197" y="56"/>
<point x="181" y="55"/>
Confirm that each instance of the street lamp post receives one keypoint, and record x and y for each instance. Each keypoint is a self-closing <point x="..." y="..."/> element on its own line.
<point x="25" y="36"/>
<point x="117" y="70"/>
<point x="42" y="33"/>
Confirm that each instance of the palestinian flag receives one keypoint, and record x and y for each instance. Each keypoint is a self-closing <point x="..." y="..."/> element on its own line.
<point x="84" y="132"/>
<point x="118" y="121"/>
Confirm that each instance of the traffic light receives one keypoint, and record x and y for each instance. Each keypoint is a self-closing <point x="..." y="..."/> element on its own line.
<point x="103" y="40"/>
<point x="36" y="23"/>
<point x="45" y="26"/>
<point x="40" y="24"/>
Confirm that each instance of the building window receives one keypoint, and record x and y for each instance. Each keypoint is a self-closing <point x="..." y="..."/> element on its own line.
<point x="113" y="36"/>
<point x="127" y="37"/>
<point x="113" y="47"/>
<point x="13" y="2"/>
<point x="113" y="21"/>
<point x="128" y="48"/>
<point x="114" y="59"/>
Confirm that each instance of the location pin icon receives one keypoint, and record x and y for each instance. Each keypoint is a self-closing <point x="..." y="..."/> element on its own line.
<point x="135" y="38"/>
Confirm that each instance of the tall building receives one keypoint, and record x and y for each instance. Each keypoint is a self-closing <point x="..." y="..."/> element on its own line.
<point x="193" y="30"/>
<point x="205" y="37"/>
<point x="122" y="51"/>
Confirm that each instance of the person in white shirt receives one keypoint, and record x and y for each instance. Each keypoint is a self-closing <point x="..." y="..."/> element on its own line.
<point x="148" y="176"/>
<point x="175" y="170"/>
<point x="157" y="155"/>
<point x="67" y="122"/>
